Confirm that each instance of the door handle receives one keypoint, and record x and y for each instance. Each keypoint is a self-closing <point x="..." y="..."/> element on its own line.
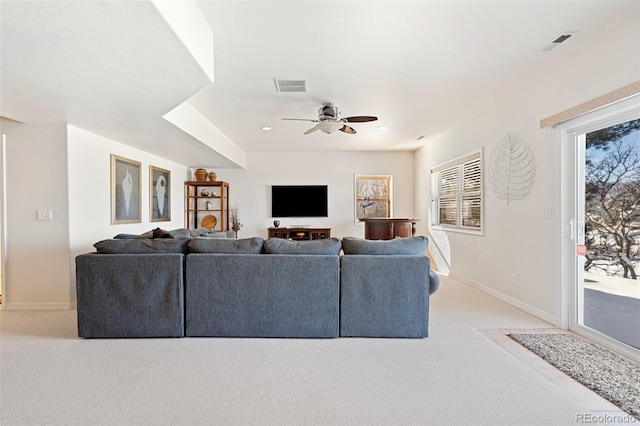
<point x="572" y="236"/>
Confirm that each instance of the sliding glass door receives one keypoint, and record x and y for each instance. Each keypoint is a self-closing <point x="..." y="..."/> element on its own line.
<point x="606" y="229"/>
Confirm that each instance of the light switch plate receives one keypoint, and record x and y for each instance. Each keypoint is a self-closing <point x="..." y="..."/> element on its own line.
<point x="44" y="215"/>
<point x="546" y="213"/>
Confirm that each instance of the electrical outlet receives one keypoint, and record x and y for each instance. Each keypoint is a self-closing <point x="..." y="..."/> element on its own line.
<point x="44" y="215"/>
<point x="546" y="213"/>
<point x="514" y="278"/>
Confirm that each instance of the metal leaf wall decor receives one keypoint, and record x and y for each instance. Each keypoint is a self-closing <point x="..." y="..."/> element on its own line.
<point x="512" y="169"/>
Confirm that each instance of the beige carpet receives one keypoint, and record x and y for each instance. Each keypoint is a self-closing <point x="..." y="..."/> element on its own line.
<point x="456" y="376"/>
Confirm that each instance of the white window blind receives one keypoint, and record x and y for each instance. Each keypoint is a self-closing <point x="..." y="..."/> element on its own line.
<point x="456" y="194"/>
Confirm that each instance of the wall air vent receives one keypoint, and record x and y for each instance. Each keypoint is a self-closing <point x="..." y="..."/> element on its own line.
<point x="290" y="85"/>
<point x="557" y="41"/>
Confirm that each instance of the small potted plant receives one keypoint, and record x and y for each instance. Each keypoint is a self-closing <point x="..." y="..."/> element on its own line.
<point x="235" y="222"/>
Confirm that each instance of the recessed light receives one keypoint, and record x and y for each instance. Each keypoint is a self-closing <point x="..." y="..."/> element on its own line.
<point x="266" y="128"/>
<point x="383" y="127"/>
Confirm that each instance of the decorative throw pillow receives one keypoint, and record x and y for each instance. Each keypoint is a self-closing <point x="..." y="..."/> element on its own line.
<point x="126" y="237"/>
<point x="410" y="246"/>
<point x="161" y="233"/>
<point x="226" y="245"/>
<point x="331" y="246"/>
<point x="142" y="246"/>
<point x="148" y="234"/>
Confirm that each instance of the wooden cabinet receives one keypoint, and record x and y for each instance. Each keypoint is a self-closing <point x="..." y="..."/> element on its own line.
<point x="300" y="233"/>
<point x="388" y="228"/>
<point x="204" y="199"/>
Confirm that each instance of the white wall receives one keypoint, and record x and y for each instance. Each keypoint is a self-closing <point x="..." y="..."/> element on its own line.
<point x="250" y="188"/>
<point x="37" y="252"/>
<point x="90" y="186"/>
<point x="516" y="238"/>
<point x="67" y="170"/>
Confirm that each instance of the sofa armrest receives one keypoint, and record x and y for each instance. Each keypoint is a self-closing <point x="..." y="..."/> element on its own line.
<point x="385" y="295"/>
<point x="130" y="295"/>
<point x="434" y="282"/>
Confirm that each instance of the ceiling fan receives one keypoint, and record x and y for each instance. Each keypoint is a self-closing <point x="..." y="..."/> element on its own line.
<point x="329" y="120"/>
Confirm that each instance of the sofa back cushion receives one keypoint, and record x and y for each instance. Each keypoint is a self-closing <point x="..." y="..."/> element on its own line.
<point x="328" y="246"/>
<point x="158" y="233"/>
<point x="410" y="246"/>
<point x="143" y="246"/>
<point x="226" y="245"/>
<point x="217" y="234"/>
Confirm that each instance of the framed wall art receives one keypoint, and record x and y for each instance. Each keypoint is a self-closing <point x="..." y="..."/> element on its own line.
<point x="126" y="202"/>
<point x="159" y="194"/>
<point x="373" y="197"/>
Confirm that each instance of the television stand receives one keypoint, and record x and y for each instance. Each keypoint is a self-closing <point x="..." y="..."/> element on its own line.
<point x="300" y="233"/>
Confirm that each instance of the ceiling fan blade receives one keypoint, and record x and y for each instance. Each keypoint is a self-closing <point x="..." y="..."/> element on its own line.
<point x="360" y="119"/>
<point x="300" y="119"/>
<point x="311" y="130"/>
<point x="348" y="129"/>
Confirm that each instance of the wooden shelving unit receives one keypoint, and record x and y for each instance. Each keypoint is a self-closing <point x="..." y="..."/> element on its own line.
<point x="197" y="194"/>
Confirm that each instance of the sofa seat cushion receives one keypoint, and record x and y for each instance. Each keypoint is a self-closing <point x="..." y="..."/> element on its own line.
<point x="410" y="246"/>
<point x="328" y="246"/>
<point x="226" y="245"/>
<point x="142" y="246"/>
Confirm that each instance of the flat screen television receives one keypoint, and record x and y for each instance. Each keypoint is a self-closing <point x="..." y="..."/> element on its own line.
<point x="299" y="201"/>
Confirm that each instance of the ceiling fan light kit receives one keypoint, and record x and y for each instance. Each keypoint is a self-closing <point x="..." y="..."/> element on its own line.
<point x="329" y="120"/>
<point x="329" y="126"/>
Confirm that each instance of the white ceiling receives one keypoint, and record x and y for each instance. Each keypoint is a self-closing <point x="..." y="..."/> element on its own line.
<point x="115" y="68"/>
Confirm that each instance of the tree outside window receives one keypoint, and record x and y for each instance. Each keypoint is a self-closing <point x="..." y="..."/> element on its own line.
<point x="612" y="195"/>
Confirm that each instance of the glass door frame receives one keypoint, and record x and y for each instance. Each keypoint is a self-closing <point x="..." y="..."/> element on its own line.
<point x="571" y="227"/>
<point x="3" y="216"/>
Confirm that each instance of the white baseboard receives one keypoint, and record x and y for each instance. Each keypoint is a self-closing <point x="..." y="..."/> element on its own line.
<point x="545" y="316"/>
<point x="39" y="306"/>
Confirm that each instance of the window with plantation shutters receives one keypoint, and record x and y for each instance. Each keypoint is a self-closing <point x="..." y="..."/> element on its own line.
<point x="456" y="194"/>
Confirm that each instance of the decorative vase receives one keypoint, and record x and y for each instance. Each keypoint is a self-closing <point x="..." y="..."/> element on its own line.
<point x="276" y="223"/>
<point x="201" y="175"/>
<point x="204" y="192"/>
<point x="213" y="177"/>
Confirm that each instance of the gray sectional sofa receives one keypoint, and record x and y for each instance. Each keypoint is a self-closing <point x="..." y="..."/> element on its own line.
<point x="221" y="287"/>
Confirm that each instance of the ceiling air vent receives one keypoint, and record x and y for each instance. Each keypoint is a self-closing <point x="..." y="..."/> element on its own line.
<point x="290" y="85"/>
<point x="558" y="40"/>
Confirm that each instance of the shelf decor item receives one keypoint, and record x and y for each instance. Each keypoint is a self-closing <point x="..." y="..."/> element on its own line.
<point x="126" y="201"/>
<point x="201" y="175"/>
<point x="209" y="222"/>
<point x="213" y="177"/>
<point x="159" y="194"/>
